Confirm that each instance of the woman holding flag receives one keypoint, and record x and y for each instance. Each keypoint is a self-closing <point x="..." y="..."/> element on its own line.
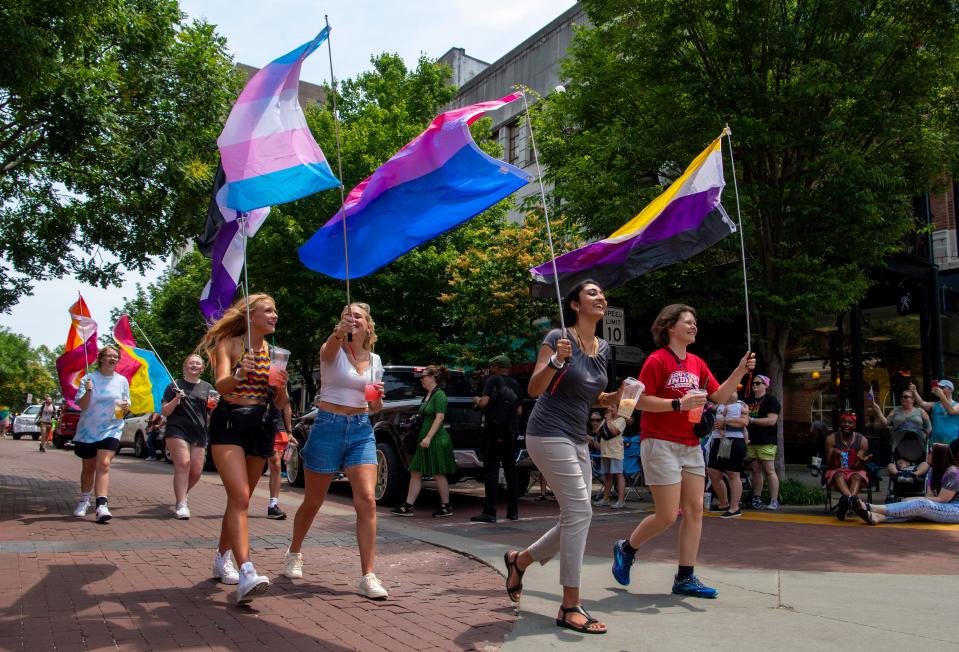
<point x="103" y="397"/>
<point x="241" y="433"/>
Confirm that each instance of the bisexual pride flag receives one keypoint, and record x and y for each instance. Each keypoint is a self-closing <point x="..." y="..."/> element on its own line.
<point x="435" y="183"/>
<point x="680" y="223"/>
<point x="269" y="155"/>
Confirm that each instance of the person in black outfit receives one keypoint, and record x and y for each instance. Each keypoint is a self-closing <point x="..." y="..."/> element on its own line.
<point x="501" y="405"/>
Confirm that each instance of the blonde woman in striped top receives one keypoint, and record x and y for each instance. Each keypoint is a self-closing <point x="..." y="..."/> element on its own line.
<point x="241" y="434"/>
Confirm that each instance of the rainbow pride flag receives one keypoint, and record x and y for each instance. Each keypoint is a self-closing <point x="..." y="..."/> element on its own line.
<point x="149" y="380"/>
<point x="269" y="155"/>
<point x="683" y="221"/>
<point x="437" y="181"/>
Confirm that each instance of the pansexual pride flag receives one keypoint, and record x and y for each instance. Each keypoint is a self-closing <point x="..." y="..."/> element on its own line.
<point x="268" y="153"/>
<point x="81" y="349"/>
<point x="680" y="223"/>
<point x="149" y="380"/>
<point x="436" y="182"/>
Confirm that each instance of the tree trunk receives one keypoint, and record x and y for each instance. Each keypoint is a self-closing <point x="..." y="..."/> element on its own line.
<point x="773" y="349"/>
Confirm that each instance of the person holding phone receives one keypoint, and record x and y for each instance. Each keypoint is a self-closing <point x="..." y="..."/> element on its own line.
<point x="103" y="398"/>
<point x="943" y="412"/>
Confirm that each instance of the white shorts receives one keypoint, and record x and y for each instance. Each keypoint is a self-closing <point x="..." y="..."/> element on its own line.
<point x="664" y="461"/>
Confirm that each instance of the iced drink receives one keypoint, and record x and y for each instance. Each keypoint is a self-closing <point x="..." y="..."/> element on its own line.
<point x="372" y="392"/>
<point x="278" y="359"/>
<point x="696" y="414"/>
<point x="212" y="399"/>
<point x="632" y="390"/>
<point x="119" y="408"/>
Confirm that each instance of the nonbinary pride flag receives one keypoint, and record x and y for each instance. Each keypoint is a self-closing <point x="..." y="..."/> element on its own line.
<point x="268" y="153"/>
<point x="150" y="380"/>
<point x="680" y="223"/>
<point x="436" y="182"/>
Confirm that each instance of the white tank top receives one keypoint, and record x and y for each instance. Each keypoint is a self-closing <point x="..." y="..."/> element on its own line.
<point x="340" y="384"/>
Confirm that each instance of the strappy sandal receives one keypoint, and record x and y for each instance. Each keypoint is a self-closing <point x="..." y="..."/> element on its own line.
<point x="513" y="592"/>
<point x="582" y="629"/>
<point x="862" y="510"/>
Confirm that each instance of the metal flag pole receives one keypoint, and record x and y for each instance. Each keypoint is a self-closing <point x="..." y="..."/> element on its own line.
<point x="742" y="238"/>
<point x="339" y="164"/>
<point x="86" y="357"/>
<point x="542" y="193"/>
<point x="241" y="218"/>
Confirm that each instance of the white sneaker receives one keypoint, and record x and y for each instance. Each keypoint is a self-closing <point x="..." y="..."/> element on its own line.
<point x="224" y="570"/>
<point x="293" y="565"/>
<point x="601" y="503"/>
<point x="182" y="511"/>
<point x="251" y="584"/>
<point x="81" y="509"/>
<point x="372" y="588"/>
<point x="619" y="505"/>
<point x="103" y="514"/>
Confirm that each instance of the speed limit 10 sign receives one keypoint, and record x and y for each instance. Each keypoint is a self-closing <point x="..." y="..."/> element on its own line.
<point x="614" y="324"/>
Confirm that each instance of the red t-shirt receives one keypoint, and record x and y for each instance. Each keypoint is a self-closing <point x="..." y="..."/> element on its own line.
<point x="665" y="376"/>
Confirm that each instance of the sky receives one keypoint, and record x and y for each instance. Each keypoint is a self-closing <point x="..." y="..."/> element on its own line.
<point x="258" y="31"/>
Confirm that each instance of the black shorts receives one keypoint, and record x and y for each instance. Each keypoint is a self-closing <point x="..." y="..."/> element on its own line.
<point x="87" y="451"/>
<point x="190" y="436"/>
<point x="737" y="455"/>
<point x="247" y="426"/>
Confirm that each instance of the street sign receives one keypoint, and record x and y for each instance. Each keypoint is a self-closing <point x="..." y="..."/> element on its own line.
<point x="29" y="399"/>
<point x="614" y="325"/>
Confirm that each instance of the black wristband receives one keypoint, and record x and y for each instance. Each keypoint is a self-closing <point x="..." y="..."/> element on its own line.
<point x="677" y="406"/>
<point x="552" y="365"/>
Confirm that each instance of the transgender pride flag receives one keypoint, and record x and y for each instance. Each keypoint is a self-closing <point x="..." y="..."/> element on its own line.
<point x="269" y="155"/>
<point x="680" y="223"/>
<point x="437" y="181"/>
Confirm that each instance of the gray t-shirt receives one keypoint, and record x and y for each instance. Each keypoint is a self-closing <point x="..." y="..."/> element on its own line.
<point x="563" y="409"/>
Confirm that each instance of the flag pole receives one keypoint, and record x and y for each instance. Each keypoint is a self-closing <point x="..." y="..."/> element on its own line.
<point x="241" y="218"/>
<point x="339" y="164"/>
<point x="162" y="364"/>
<point x="86" y="357"/>
<point x="542" y="193"/>
<point x="742" y="238"/>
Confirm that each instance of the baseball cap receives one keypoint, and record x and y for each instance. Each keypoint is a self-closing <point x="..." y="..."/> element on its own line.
<point x="947" y="383"/>
<point x="500" y="361"/>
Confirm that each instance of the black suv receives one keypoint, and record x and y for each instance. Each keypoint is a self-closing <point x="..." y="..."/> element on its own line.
<point x="403" y="394"/>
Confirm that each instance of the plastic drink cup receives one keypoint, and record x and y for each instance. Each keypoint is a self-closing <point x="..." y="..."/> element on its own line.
<point x="278" y="359"/>
<point x="631" y="393"/>
<point x="119" y="408"/>
<point x="371" y="392"/>
<point x="212" y="399"/>
<point x="816" y="461"/>
<point x="696" y="414"/>
<point x="289" y="452"/>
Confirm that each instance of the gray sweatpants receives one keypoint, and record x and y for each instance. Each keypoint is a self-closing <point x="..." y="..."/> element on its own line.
<point x="565" y="465"/>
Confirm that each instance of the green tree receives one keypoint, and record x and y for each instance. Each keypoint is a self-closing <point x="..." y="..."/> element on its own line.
<point x="841" y="112"/>
<point x="22" y="371"/>
<point x="109" y="111"/>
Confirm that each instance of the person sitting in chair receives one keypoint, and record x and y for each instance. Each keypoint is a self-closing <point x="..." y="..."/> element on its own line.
<point x="847" y="452"/>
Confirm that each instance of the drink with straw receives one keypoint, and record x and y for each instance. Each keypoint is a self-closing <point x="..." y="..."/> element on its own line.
<point x="278" y="359"/>
<point x="632" y="390"/>
<point x="696" y="414"/>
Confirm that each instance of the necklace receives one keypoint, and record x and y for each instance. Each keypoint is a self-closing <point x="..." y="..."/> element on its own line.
<point x="594" y="349"/>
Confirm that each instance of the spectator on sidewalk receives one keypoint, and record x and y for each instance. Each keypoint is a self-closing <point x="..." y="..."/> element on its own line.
<point x="941" y="504"/>
<point x="103" y="397"/>
<point x="48" y="412"/>
<point x="4" y="419"/>
<point x="240" y="438"/>
<point x="727" y="452"/>
<point x="156" y="425"/>
<point x="434" y="454"/>
<point x="282" y="421"/>
<point x="910" y="426"/>
<point x="847" y="452"/>
<point x="609" y="434"/>
<point x="185" y="402"/>
<point x="500" y="402"/>
<point x="342" y="439"/>
<point x="568" y="378"/>
<point x="764" y="410"/>
<point x="943" y="413"/>
<point x="677" y="382"/>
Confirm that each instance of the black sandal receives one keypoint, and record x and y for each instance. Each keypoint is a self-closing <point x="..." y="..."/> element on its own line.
<point x="862" y="510"/>
<point x="582" y="629"/>
<point x="513" y="592"/>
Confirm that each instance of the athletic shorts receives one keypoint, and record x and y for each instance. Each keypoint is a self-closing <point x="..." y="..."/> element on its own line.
<point x="338" y="441"/>
<point x="737" y="455"/>
<point x="243" y="426"/>
<point x="665" y="461"/>
<point x="87" y="451"/>
<point x="280" y="441"/>
<point x="609" y="465"/>
<point x="762" y="452"/>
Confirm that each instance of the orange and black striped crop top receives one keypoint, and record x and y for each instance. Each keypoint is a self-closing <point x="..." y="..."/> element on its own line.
<point x="256" y="384"/>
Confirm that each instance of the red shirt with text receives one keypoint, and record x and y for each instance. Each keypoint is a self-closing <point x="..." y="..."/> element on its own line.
<point x="666" y="376"/>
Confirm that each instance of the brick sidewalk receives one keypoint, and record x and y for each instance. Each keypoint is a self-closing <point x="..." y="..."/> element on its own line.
<point x="142" y="582"/>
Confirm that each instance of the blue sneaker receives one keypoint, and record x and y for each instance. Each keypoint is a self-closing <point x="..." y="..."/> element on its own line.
<point x="693" y="587"/>
<point x="622" y="562"/>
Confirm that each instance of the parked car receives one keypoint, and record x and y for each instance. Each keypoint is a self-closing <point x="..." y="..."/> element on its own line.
<point x="403" y="394"/>
<point x="66" y="427"/>
<point x="134" y="433"/>
<point x="26" y="423"/>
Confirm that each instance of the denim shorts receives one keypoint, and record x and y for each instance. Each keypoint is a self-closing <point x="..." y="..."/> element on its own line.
<point x="338" y="442"/>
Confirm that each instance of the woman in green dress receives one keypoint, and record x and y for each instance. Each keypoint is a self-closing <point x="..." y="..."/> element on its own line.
<point x="435" y="453"/>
